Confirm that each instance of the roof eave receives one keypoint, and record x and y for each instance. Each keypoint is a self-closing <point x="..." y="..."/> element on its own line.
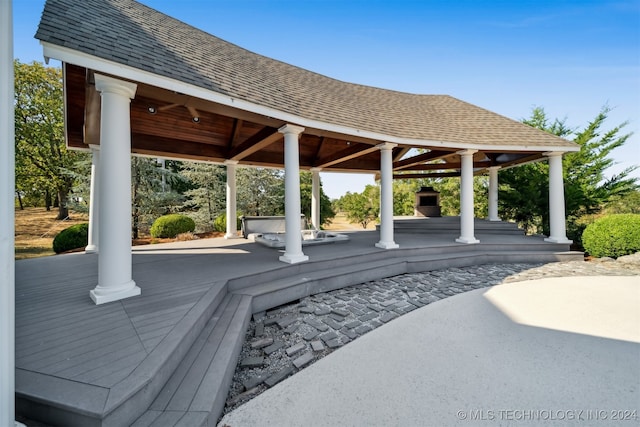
<point x="102" y="65"/>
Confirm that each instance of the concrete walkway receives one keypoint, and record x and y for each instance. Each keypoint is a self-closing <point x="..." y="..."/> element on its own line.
<point x="557" y="351"/>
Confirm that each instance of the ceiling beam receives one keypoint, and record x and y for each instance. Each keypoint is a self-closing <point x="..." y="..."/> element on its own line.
<point x="425" y="175"/>
<point x="351" y="152"/>
<point x="265" y="137"/>
<point x="420" y="158"/>
<point x="399" y="152"/>
<point x="235" y="132"/>
<point x="446" y="166"/>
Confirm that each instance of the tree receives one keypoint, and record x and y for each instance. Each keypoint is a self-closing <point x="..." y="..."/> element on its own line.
<point x="361" y="208"/>
<point x="524" y="191"/>
<point x="260" y="191"/>
<point x="326" y="210"/>
<point x="42" y="159"/>
<point x="206" y="198"/>
<point x="151" y="193"/>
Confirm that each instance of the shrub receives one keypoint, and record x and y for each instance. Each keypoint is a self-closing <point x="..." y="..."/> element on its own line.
<point x="613" y="236"/>
<point x="220" y="223"/>
<point x="74" y="237"/>
<point x="169" y="226"/>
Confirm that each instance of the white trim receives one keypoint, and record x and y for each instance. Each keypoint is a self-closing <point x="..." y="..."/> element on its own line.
<point x="7" y="218"/>
<point x="101" y="65"/>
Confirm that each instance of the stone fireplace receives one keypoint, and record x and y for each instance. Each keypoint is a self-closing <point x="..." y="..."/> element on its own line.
<point x="427" y="202"/>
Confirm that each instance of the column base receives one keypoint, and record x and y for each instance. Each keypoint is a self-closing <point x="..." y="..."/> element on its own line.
<point x="91" y="249"/>
<point x="467" y="240"/>
<point x="563" y="240"/>
<point x="387" y="245"/>
<point x="232" y="236"/>
<point x="102" y="295"/>
<point x="294" y="259"/>
<point x="495" y="219"/>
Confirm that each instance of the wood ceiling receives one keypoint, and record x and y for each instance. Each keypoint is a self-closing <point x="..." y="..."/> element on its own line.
<point x="173" y="125"/>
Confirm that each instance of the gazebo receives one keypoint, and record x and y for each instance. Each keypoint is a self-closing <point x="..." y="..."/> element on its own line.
<point x="138" y="81"/>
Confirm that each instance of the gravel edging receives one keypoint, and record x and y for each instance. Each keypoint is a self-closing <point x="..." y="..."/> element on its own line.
<point x="286" y="339"/>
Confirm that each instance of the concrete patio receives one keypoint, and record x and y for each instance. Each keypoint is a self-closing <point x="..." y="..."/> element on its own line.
<point x="171" y="352"/>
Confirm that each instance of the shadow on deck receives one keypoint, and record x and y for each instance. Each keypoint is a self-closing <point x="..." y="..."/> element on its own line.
<point x="167" y="357"/>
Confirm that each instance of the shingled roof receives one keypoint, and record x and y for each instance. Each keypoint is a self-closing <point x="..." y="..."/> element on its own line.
<point x="129" y="33"/>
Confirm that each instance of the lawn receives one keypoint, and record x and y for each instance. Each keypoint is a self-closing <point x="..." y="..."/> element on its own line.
<point x="35" y="229"/>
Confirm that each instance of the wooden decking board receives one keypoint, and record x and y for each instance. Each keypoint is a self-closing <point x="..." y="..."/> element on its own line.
<point x="43" y="358"/>
<point x="146" y="419"/>
<point x="165" y="395"/>
<point x="59" y="338"/>
<point x="151" y="318"/>
<point x="191" y="419"/>
<point x="162" y="303"/>
<point x="32" y="312"/>
<point x="98" y="358"/>
<point x="214" y="386"/>
<point x="151" y="339"/>
<point x="113" y="371"/>
<point x="162" y="321"/>
<point x="70" y="324"/>
<point x="183" y="396"/>
<point x="167" y="418"/>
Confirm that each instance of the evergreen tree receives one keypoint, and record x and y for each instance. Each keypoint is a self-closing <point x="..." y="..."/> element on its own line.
<point x="524" y="191"/>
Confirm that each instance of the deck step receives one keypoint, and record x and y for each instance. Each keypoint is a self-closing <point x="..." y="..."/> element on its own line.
<point x="272" y="293"/>
<point x="195" y="393"/>
<point x="451" y="225"/>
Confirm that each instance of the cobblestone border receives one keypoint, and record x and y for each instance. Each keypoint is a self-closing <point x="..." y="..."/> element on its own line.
<point x="286" y="339"/>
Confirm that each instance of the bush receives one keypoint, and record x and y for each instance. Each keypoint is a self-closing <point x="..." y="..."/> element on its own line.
<point x="220" y="223"/>
<point x="169" y="226"/>
<point x="613" y="236"/>
<point x="74" y="237"/>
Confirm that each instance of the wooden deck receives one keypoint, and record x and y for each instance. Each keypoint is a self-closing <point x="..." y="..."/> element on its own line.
<point x="166" y="357"/>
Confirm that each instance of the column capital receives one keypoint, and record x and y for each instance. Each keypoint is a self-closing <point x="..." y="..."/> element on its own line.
<point x="289" y="128"/>
<point x="467" y="152"/>
<point x="553" y="153"/>
<point x="94" y="147"/>
<point x="386" y="146"/>
<point x="121" y="87"/>
<point x="315" y="170"/>
<point x="231" y="162"/>
<point x="494" y="168"/>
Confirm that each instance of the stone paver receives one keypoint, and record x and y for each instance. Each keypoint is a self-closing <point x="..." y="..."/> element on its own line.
<point x="303" y="360"/>
<point x="331" y="319"/>
<point x="295" y="349"/>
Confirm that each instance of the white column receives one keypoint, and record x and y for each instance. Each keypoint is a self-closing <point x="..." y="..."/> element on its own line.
<point x="7" y="203"/>
<point x="293" y="233"/>
<point x="466" y="198"/>
<point x="386" y="197"/>
<point x="556" y="200"/>
<point x="493" y="193"/>
<point x="94" y="201"/>
<point x="232" y="231"/>
<point x="114" y="259"/>
<point x="315" y="198"/>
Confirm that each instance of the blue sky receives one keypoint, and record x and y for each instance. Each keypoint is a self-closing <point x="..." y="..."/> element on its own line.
<point x="570" y="57"/>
